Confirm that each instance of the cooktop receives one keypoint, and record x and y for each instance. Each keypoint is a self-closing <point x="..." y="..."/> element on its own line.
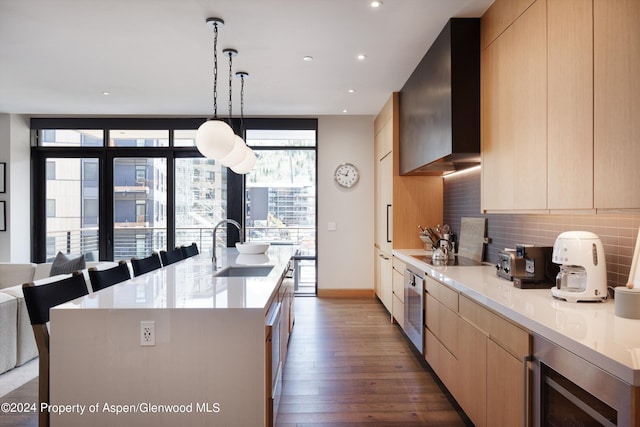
<point x="458" y="261"/>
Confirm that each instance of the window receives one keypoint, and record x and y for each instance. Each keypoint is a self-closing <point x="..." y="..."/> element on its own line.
<point x="51" y="170"/>
<point x="71" y="138"/>
<point x="51" y="208"/>
<point x="161" y="192"/>
<point x="139" y="138"/>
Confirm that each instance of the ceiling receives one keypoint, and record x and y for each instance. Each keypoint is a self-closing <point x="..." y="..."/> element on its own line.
<point x="155" y="57"/>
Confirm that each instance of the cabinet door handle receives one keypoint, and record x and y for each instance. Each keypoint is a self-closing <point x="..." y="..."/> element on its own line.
<point x="388" y="237"/>
<point x="525" y="380"/>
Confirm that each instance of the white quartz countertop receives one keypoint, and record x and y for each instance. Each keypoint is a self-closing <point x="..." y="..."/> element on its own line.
<point x="191" y="284"/>
<point x="589" y="330"/>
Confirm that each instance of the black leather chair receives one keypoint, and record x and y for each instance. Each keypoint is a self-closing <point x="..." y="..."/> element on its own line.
<point x="189" y="251"/>
<point x="169" y="257"/>
<point x="39" y="299"/>
<point x="101" y="279"/>
<point x="145" y="265"/>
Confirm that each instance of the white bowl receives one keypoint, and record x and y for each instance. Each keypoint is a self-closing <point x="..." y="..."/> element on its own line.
<point x="252" y="247"/>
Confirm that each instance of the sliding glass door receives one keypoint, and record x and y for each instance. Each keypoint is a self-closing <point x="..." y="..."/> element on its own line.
<point x="280" y="196"/>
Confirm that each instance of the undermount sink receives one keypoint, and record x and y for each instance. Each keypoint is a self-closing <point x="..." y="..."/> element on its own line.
<point x="245" y="271"/>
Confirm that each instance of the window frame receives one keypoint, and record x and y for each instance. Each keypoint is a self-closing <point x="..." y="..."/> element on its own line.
<point x="235" y="184"/>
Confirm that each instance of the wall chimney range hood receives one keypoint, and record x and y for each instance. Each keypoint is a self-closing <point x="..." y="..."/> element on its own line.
<point x="440" y="104"/>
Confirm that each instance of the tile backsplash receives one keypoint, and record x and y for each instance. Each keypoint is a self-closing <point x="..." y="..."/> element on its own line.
<point x="618" y="232"/>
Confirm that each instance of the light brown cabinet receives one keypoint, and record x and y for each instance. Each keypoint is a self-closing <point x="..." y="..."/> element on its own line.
<point x="616" y="27"/>
<point x="478" y="355"/>
<point x="560" y="105"/>
<point x="514" y="115"/>
<point x="401" y="202"/>
<point x="570" y="104"/>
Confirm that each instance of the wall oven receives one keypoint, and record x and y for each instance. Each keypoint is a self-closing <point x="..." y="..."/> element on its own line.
<point x="414" y="308"/>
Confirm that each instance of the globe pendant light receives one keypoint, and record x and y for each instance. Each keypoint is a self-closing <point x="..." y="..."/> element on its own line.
<point x="247" y="163"/>
<point x="249" y="158"/>
<point x="214" y="138"/>
<point x="238" y="152"/>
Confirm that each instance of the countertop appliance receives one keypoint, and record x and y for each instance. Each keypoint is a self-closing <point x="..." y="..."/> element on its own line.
<point x="528" y="266"/>
<point x="413" y="307"/>
<point x="583" y="271"/>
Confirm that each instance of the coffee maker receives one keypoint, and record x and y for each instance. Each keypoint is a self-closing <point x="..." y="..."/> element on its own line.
<point x="583" y="270"/>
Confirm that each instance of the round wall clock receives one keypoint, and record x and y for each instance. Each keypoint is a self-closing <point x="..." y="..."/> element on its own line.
<point x="346" y="175"/>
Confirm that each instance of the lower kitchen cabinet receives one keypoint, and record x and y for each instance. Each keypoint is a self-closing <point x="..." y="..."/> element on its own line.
<point x="398" y="291"/>
<point x="478" y="355"/>
<point x="384" y="277"/>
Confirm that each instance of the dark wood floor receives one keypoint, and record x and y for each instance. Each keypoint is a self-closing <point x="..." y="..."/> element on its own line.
<point x="347" y="366"/>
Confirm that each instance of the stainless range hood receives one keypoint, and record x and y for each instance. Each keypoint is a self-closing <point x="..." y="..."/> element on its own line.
<point x="440" y="104"/>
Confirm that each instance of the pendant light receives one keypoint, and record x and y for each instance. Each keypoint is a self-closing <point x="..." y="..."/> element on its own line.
<point x="249" y="158"/>
<point x="215" y="138"/>
<point x="238" y="152"/>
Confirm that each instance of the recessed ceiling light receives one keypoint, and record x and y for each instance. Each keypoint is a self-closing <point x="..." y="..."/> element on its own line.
<point x="106" y="93"/>
<point x="375" y="4"/>
<point x="361" y="57"/>
<point x="344" y="111"/>
<point x="308" y="58"/>
<point x="352" y="90"/>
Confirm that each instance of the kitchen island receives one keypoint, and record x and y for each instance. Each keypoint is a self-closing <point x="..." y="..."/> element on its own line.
<point x="209" y="359"/>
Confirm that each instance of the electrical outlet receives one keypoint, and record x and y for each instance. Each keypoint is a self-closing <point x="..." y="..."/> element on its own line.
<point x="147" y="332"/>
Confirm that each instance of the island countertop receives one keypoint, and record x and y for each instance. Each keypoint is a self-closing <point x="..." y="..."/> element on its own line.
<point x="589" y="330"/>
<point x="191" y="283"/>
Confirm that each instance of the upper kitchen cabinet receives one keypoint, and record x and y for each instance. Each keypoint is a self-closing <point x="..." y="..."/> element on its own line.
<point x="560" y="106"/>
<point x="570" y="104"/>
<point x="440" y="104"/>
<point x="616" y="26"/>
<point x="514" y="114"/>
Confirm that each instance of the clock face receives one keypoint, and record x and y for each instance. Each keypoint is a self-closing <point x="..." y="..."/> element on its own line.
<point x="347" y="175"/>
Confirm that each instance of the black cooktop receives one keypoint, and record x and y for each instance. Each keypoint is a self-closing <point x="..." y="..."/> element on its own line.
<point x="458" y="261"/>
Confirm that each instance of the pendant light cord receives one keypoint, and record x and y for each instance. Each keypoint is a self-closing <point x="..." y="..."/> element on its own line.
<point x="242" y="104"/>
<point x="230" y="68"/>
<point x="215" y="70"/>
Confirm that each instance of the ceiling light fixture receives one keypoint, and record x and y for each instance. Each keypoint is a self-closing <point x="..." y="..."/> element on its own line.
<point x="351" y="90"/>
<point x="308" y="58"/>
<point x="361" y="57"/>
<point x="249" y="159"/>
<point x="215" y="138"/>
<point x="375" y="4"/>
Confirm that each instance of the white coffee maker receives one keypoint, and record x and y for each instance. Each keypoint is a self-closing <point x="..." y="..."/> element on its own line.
<point x="583" y="269"/>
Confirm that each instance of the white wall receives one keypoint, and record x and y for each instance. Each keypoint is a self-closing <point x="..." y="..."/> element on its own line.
<point x="15" y="243"/>
<point x="345" y="259"/>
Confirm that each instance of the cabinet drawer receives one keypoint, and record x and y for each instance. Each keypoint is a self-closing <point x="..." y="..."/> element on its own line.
<point x="399" y="265"/>
<point x="512" y="338"/>
<point x="441" y="360"/>
<point x="398" y="311"/>
<point x="443" y="323"/>
<point x="398" y="285"/>
<point x="475" y="314"/>
<point x="442" y="293"/>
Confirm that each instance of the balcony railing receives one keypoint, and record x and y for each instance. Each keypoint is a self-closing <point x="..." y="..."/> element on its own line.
<point x="140" y="240"/>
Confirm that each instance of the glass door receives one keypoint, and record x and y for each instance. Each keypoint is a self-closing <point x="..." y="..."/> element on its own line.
<point x="72" y="207"/>
<point x="281" y="197"/>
